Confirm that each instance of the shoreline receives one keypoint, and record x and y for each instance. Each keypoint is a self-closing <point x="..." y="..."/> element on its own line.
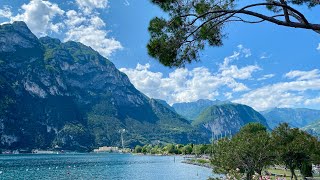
<point x="194" y="162"/>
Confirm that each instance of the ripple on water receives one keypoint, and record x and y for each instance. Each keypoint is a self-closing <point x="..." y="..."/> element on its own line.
<point x="98" y="166"/>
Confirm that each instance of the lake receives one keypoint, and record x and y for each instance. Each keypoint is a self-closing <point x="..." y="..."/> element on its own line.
<point x="99" y="166"/>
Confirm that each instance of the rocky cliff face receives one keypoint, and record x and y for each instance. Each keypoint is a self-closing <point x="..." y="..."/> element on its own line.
<point x="55" y="94"/>
<point x="228" y="118"/>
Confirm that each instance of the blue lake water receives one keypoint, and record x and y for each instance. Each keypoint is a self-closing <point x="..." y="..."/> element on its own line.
<point x="99" y="166"/>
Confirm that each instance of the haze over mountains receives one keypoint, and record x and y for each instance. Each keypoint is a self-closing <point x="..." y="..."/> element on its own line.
<point x="299" y="117"/>
<point x="66" y="95"/>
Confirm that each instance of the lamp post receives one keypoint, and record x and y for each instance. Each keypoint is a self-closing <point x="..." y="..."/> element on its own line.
<point x="121" y="131"/>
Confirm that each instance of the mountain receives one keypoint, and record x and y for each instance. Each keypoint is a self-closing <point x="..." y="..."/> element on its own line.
<point x="294" y="117"/>
<point x="164" y="103"/>
<point x="191" y="110"/>
<point x="313" y="128"/>
<point x="228" y="118"/>
<point x="66" y="95"/>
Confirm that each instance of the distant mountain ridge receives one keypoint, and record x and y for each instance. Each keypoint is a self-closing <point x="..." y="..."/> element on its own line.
<point x="219" y="117"/>
<point x="223" y="118"/>
<point x="66" y="95"/>
<point x="299" y="117"/>
<point x="313" y="128"/>
<point x="191" y="110"/>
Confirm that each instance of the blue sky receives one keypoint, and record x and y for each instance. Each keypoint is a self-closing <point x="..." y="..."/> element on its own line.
<point x="261" y="65"/>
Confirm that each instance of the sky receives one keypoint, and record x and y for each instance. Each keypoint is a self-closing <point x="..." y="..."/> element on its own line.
<point x="261" y="65"/>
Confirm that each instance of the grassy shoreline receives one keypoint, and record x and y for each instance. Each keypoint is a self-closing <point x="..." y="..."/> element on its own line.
<point x="198" y="162"/>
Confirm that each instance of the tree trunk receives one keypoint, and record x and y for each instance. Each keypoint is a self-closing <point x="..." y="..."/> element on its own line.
<point x="306" y="169"/>
<point x="259" y="172"/>
<point x="248" y="176"/>
<point x="293" y="174"/>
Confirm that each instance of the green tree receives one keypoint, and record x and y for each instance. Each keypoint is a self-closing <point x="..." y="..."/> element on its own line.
<point x="187" y="149"/>
<point x="191" y="25"/>
<point x="170" y="149"/>
<point x="223" y="155"/>
<point x="316" y="155"/>
<point x="146" y="149"/>
<point x="201" y="149"/>
<point x="197" y="150"/>
<point x="138" y="149"/>
<point x="249" y="151"/>
<point x="156" y="150"/>
<point x="295" y="149"/>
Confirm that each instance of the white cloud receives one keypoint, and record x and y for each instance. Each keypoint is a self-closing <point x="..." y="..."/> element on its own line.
<point x="266" y="76"/>
<point x="184" y="85"/>
<point x="38" y="15"/>
<point x="265" y="56"/>
<point x="282" y="94"/>
<point x="6" y="12"/>
<point x="88" y="5"/>
<point x="312" y="101"/>
<point x="237" y="87"/>
<point x="90" y="31"/>
<point x="245" y="51"/>
<point x="181" y="85"/>
<point x="83" y="25"/>
<point x="229" y="59"/>
<point x="318" y="48"/>
<point x="242" y="73"/>
<point x="228" y="95"/>
<point x="241" y="52"/>
<point x="73" y="19"/>
<point x="303" y="75"/>
<point x="126" y="3"/>
<point x="88" y="28"/>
